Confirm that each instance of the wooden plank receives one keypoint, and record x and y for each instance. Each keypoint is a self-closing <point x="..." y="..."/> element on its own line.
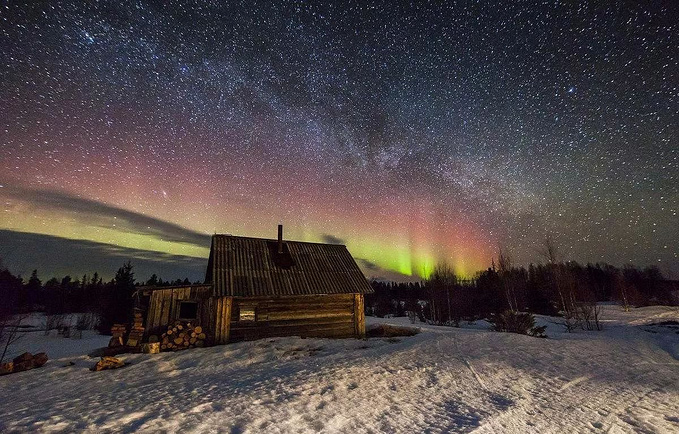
<point x="359" y="316"/>
<point x="275" y="307"/>
<point x="322" y="322"/>
<point x="348" y="321"/>
<point x="158" y="304"/>
<point x="207" y="316"/>
<point x="218" y="320"/>
<point x="178" y="296"/>
<point x="318" y="299"/>
<point x="204" y="312"/>
<point x="153" y="311"/>
<point x="227" y="319"/>
<point x="165" y="310"/>
<point x="282" y="316"/>
<point x="331" y="330"/>
<point x="222" y="319"/>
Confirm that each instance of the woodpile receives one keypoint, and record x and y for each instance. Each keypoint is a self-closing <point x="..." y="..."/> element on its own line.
<point x="23" y="362"/>
<point x="150" y="348"/>
<point x="180" y="336"/>
<point x="107" y="362"/>
<point x="137" y="331"/>
<point x="118" y="331"/>
<point x="6" y="368"/>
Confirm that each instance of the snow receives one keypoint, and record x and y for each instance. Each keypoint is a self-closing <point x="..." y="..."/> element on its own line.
<point x="33" y="339"/>
<point x="622" y="379"/>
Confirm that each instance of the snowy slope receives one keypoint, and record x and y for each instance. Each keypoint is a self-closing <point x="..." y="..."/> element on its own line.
<point x="623" y="379"/>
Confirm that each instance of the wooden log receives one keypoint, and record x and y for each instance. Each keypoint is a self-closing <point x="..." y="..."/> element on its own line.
<point x="341" y="321"/>
<point x="151" y="348"/>
<point x="6" y="368"/>
<point x="201" y="336"/>
<point x="115" y="341"/>
<point x="198" y="329"/>
<point x="359" y="316"/>
<point x="295" y="315"/>
<point x="178" y="341"/>
<point x="108" y="363"/>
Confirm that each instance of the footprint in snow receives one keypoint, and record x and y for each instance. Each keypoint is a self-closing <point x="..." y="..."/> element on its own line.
<point x="501" y="402"/>
<point x="327" y="389"/>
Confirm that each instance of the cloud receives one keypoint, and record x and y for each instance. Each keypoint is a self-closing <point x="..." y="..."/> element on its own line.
<point x="366" y="264"/>
<point x="94" y="213"/>
<point x="22" y="252"/>
<point x="331" y="239"/>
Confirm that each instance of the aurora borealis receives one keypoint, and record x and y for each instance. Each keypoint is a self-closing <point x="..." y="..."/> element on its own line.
<point x="414" y="134"/>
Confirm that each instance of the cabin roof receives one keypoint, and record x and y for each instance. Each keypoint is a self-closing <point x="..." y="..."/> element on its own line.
<point x="251" y="267"/>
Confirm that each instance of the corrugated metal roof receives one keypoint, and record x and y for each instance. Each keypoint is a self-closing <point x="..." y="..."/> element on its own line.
<point x="248" y="267"/>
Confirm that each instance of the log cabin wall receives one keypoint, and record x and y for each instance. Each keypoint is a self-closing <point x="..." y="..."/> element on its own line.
<point x="165" y="303"/>
<point x="326" y="316"/>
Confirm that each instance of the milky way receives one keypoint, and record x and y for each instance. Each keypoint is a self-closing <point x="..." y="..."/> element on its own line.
<point x="414" y="134"/>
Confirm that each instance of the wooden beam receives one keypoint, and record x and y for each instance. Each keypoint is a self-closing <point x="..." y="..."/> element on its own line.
<point x="227" y="318"/>
<point x="223" y="319"/>
<point x="359" y="316"/>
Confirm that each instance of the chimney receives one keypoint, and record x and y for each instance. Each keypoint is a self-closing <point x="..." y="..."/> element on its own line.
<point x="280" y="239"/>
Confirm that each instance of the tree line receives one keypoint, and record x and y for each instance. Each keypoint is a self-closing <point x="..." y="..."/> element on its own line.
<point x="112" y="300"/>
<point x="566" y="289"/>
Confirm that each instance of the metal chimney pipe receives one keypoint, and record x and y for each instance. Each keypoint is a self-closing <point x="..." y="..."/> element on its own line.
<point x="280" y="238"/>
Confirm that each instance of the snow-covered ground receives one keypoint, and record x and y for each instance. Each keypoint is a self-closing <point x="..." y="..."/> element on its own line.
<point x="33" y="339"/>
<point x="623" y="379"/>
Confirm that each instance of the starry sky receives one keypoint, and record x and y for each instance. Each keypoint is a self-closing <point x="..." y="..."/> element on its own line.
<point x="415" y="133"/>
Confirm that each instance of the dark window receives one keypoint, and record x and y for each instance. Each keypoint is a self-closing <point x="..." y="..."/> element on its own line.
<point x="188" y="310"/>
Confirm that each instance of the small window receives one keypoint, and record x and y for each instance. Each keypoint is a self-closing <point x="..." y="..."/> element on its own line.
<point x="247" y="313"/>
<point x="188" y="310"/>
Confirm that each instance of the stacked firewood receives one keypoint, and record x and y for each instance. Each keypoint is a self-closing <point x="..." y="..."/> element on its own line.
<point x="137" y="331"/>
<point x="180" y="336"/>
<point x="23" y="362"/>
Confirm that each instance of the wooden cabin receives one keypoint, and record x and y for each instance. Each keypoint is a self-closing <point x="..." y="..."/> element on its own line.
<point x="256" y="288"/>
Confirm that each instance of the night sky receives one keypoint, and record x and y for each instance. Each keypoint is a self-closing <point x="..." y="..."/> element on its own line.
<point x="414" y="134"/>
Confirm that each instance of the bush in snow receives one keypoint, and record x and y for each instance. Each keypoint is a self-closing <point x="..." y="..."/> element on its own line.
<point x="516" y="322"/>
<point x="87" y="321"/>
<point x="389" y="331"/>
<point x="585" y="316"/>
<point x="54" y="322"/>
